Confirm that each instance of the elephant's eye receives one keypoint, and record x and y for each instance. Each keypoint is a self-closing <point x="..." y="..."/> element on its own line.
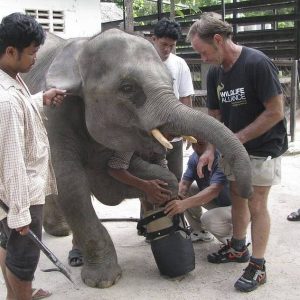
<point x="127" y="88"/>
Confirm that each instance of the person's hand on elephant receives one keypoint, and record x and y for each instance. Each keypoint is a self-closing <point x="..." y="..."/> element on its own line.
<point x="53" y="97"/>
<point x="206" y="159"/>
<point x="175" y="207"/>
<point x="156" y="192"/>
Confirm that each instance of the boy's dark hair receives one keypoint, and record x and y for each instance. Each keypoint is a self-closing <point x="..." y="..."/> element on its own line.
<point x="19" y="31"/>
<point x="167" y="28"/>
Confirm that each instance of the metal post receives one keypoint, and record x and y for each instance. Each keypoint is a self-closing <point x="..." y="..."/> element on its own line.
<point x="124" y="15"/>
<point x="159" y="9"/>
<point x="297" y="28"/>
<point x="294" y="97"/>
<point x="234" y="17"/>
<point x="223" y="10"/>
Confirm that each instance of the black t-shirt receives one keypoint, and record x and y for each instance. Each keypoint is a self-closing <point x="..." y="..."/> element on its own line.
<point x="240" y="94"/>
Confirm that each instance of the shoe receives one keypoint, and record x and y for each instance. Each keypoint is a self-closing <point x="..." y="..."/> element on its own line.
<point x="294" y="216"/>
<point x="253" y="277"/>
<point x="202" y="235"/>
<point x="228" y="254"/>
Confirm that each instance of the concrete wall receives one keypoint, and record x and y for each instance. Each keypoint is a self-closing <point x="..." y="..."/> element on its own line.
<point x="81" y="17"/>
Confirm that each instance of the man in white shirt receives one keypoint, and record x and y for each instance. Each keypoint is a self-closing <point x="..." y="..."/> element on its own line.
<point x="26" y="173"/>
<point x="166" y="35"/>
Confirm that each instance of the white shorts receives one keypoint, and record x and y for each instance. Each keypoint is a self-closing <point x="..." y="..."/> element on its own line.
<point x="265" y="171"/>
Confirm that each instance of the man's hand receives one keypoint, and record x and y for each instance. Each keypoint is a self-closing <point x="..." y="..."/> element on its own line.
<point x="54" y="97"/>
<point x="175" y="207"/>
<point x="206" y="159"/>
<point x="156" y="191"/>
<point x="182" y="196"/>
<point x="23" y="230"/>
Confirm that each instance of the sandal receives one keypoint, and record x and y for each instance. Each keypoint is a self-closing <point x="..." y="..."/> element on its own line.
<point x="75" y="258"/>
<point x="40" y="294"/>
<point x="294" y="216"/>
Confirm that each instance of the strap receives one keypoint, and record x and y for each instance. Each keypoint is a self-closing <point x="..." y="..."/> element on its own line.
<point x="153" y="217"/>
<point x="187" y="229"/>
<point x="160" y="233"/>
<point x="168" y="230"/>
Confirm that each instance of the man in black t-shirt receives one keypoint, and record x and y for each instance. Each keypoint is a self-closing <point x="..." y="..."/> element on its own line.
<point x="243" y="92"/>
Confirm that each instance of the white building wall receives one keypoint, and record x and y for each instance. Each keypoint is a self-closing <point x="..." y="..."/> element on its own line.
<point x="81" y="17"/>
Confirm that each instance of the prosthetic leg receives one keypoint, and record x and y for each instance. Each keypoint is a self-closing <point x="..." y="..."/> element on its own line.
<point x="170" y="243"/>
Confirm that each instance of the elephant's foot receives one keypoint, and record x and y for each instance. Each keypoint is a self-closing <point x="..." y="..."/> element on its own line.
<point x="101" y="275"/>
<point x="57" y="229"/>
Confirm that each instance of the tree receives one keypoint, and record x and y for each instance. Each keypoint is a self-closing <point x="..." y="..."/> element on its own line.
<point x="149" y="7"/>
<point x="172" y="9"/>
<point x="129" y="26"/>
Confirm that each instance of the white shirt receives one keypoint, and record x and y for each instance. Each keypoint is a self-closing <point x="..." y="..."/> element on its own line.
<point x="182" y="79"/>
<point x="26" y="173"/>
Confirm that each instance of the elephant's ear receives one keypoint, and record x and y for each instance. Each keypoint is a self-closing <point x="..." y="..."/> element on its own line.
<point x="64" y="72"/>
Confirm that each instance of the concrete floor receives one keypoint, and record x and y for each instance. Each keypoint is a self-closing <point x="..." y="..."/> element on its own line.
<point x="141" y="279"/>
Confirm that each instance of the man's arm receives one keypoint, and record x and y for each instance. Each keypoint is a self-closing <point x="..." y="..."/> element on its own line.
<point x="153" y="188"/>
<point x="52" y="97"/>
<point x="208" y="156"/>
<point x="215" y="113"/>
<point x="206" y="195"/>
<point x="273" y="113"/>
<point x="184" y="187"/>
<point x="186" y="100"/>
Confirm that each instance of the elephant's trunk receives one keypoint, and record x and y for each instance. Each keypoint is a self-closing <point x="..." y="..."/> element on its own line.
<point x="186" y="121"/>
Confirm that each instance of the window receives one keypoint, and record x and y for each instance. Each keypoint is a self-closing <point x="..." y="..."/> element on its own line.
<point x="52" y="21"/>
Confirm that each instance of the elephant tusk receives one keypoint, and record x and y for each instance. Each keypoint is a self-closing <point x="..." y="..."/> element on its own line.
<point x="161" y="139"/>
<point x="190" y="139"/>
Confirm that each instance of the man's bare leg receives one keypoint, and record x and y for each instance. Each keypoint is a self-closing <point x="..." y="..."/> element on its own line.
<point x="21" y="289"/>
<point x="9" y="291"/>
<point x="255" y="274"/>
<point x="260" y="220"/>
<point x="240" y="213"/>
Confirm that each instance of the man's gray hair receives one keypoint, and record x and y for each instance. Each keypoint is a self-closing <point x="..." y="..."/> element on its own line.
<point x="207" y="26"/>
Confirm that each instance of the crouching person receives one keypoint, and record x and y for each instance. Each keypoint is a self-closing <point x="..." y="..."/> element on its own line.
<point x="211" y="191"/>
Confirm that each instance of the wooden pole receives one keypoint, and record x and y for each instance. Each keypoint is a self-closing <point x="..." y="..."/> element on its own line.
<point x="159" y="9"/>
<point x="129" y="15"/>
<point x="223" y="10"/>
<point x="294" y="97"/>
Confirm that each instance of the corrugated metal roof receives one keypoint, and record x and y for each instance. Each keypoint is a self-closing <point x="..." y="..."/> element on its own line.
<point x="110" y="12"/>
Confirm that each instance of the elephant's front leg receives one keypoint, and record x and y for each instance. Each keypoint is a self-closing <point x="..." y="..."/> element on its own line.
<point x="101" y="267"/>
<point x="110" y="191"/>
<point x="54" y="221"/>
<point x="149" y="171"/>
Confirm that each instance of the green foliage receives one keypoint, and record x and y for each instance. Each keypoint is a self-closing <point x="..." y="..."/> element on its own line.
<point x="147" y="7"/>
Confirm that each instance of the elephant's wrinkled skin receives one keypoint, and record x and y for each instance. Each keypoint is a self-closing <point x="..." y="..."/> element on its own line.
<point x="120" y="91"/>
